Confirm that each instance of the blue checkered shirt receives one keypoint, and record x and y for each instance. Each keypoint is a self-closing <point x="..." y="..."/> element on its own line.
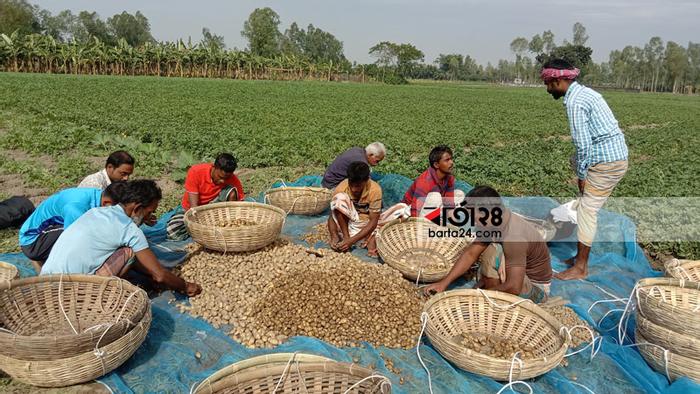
<point x="594" y="129"/>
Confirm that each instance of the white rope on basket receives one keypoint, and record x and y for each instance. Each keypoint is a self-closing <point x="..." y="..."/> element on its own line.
<point x="675" y="264"/>
<point x="424" y="322"/>
<point x="505" y="306"/>
<point x="266" y="198"/>
<point x="384" y="381"/>
<point x="293" y="204"/>
<point x="218" y="231"/>
<point x="624" y="319"/>
<point x="301" y="378"/>
<point x="666" y="352"/>
<point x="60" y="303"/>
<point x="511" y="382"/>
<point x="7" y="331"/>
<point x="101" y="353"/>
<point x="196" y="385"/>
<point x="284" y="373"/>
<point x="590" y="344"/>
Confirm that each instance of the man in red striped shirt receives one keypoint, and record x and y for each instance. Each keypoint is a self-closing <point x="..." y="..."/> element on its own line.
<point x="435" y="187"/>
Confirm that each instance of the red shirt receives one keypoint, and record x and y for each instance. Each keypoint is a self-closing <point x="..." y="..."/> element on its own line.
<point x="198" y="181"/>
<point x="428" y="182"/>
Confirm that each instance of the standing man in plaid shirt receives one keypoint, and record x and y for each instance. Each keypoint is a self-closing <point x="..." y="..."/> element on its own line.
<point x="601" y="155"/>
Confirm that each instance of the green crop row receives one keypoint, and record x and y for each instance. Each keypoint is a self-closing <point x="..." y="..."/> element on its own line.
<point x="516" y="139"/>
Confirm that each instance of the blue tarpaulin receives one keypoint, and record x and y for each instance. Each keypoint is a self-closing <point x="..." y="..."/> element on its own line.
<point x="166" y="361"/>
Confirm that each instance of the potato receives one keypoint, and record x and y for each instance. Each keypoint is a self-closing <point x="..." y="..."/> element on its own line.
<point x="281" y="291"/>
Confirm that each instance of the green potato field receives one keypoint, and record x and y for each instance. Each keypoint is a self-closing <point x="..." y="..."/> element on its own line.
<point x="55" y="129"/>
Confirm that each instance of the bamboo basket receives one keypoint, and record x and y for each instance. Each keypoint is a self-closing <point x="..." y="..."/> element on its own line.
<point x="546" y="228"/>
<point x="300" y="200"/>
<point x="80" y="368"/>
<point x="453" y="313"/>
<point x="670" y="303"/>
<point x="683" y="269"/>
<point x="681" y="344"/>
<point x="8" y="272"/>
<point x="678" y="365"/>
<point x="268" y="359"/>
<point x="36" y="328"/>
<point x="303" y="374"/>
<point x="404" y="244"/>
<point x="204" y="224"/>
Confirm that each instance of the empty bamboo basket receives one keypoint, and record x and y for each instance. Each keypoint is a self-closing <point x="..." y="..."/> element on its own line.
<point x="405" y="245"/>
<point x="59" y="316"/>
<point x="300" y="200"/>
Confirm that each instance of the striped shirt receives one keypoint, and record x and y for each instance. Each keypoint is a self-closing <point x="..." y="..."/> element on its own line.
<point x="426" y="183"/>
<point x="594" y="129"/>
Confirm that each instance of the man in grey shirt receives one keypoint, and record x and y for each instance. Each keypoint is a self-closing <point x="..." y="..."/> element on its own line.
<point x="337" y="171"/>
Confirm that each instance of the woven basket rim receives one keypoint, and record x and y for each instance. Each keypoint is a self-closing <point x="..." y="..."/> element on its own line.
<point x="330" y="366"/>
<point x="509" y="298"/>
<point x="314" y="189"/>
<point x="67" y="278"/>
<point x="646" y="321"/>
<point x="7" y="267"/>
<point x="669" y="282"/>
<point x="275" y="370"/>
<point x="681" y="263"/>
<point x="231" y="204"/>
<point x="256" y="361"/>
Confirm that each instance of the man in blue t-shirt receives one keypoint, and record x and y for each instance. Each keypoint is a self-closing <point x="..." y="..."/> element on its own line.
<point x="107" y="241"/>
<point x="41" y="230"/>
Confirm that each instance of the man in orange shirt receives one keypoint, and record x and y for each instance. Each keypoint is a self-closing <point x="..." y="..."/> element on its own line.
<point x="206" y="183"/>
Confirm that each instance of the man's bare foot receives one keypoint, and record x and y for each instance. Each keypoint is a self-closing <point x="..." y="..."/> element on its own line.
<point x="570" y="261"/>
<point x="575" y="272"/>
<point x="372" y="253"/>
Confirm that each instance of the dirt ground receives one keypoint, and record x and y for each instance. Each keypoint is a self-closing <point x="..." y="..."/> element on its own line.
<point x="13" y="185"/>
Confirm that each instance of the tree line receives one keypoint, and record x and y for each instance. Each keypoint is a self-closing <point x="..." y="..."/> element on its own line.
<point x="34" y="40"/>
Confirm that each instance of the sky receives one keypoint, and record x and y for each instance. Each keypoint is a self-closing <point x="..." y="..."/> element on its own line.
<point x="482" y="29"/>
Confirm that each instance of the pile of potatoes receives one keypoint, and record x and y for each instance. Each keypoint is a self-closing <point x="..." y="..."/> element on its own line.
<point x="286" y="290"/>
<point x="496" y="346"/>
<point x="318" y="233"/>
